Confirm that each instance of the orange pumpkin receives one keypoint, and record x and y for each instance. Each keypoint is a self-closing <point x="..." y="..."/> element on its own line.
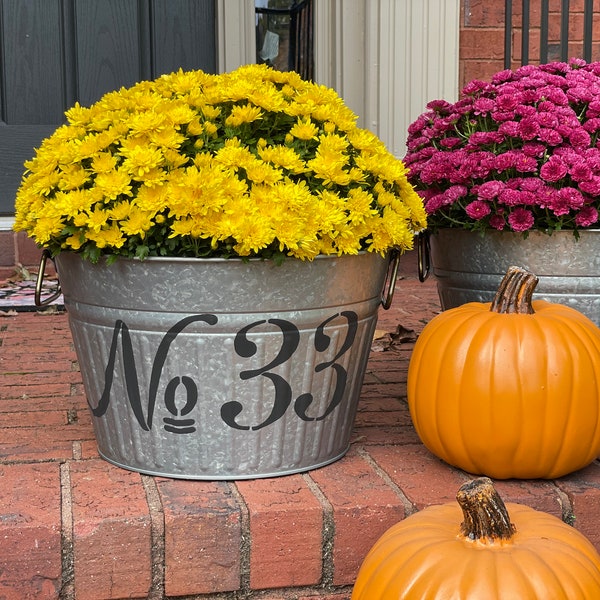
<point x="499" y="552"/>
<point x="509" y="388"/>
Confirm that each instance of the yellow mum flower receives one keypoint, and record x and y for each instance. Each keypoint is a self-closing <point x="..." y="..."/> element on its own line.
<point x="114" y="183"/>
<point x="195" y="127"/>
<point x="46" y="228"/>
<point x="360" y="205"/>
<point x="88" y="146"/>
<point x="243" y="114"/>
<point x="260" y="172"/>
<point x="146" y="122"/>
<point x="268" y="97"/>
<point x="140" y="160"/>
<point x="104" y="162"/>
<point x="210" y="112"/>
<point x="182" y="227"/>
<point x="78" y="115"/>
<point x="137" y="222"/>
<point x="252" y="234"/>
<point x="75" y="241"/>
<point x="166" y="138"/>
<point x="152" y="198"/>
<point x="97" y="218"/>
<point x="284" y="157"/>
<point x="72" y="177"/>
<point x="110" y="237"/>
<point x="330" y="168"/>
<point x="74" y="202"/>
<point x="158" y="161"/>
<point x="210" y="128"/>
<point x="174" y="159"/>
<point x="234" y="155"/>
<point x="120" y="211"/>
<point x="153" y="177"/>
<point x="305" y="129"/>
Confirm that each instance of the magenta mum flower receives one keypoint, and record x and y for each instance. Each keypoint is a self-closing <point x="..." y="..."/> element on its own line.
<point x="521" y="219"/>
<point x="553" y="170"/>
<point x="587" y="216"/>
<point x="478" y="209"/>
<point x="521" y="150"/>
<point x="591" y="187"/>
<point x="489" y="190"/>
<point x="497" y="222"/>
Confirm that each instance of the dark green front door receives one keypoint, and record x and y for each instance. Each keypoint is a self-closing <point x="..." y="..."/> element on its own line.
<point x="56" y="52"/>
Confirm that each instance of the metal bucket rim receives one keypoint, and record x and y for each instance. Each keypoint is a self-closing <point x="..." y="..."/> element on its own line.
<point x="183" y="259"/>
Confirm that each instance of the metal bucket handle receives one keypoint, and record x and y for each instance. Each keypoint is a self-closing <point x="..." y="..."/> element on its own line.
<point x="40" y="280"/>
<point x="391" y="276"/>
<point x="423" y="255"/>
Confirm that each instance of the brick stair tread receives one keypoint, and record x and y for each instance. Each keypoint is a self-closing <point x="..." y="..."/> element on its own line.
<point x="75" y="527"/>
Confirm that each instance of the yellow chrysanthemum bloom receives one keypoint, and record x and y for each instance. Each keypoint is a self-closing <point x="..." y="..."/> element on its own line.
<point x="110" y="237"/>
<point x="103" y="162"/>
<point x="253" y="163"/>
<point x="167" y="138"/>
<point x="138" y="222"/>
<point x="284" y="157"/>
<point x="304" y="129"/>
<point x="72" y="203"/>
<point x="140" y="160"/>
<point x="47" y="227"/>
<point x="114" y="184"/>
<point x="72" y="177"/>
<point x="243" y="114"/>
<point x="97" y="218"/>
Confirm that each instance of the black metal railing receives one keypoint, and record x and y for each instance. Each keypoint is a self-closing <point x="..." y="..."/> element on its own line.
<point x="284" y="35"/>
<point x="549" y="49"/>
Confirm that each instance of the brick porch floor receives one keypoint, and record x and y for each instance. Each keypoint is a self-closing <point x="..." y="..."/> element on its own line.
<point x="74" y="527"/>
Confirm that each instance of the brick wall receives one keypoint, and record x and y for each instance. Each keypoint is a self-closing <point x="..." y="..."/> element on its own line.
<point x="481" y="51"/>
<point x="16" y="249"/>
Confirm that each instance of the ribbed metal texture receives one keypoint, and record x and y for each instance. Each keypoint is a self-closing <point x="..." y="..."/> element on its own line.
<point x="220" y="369"/>
<point x="469" y="267"/>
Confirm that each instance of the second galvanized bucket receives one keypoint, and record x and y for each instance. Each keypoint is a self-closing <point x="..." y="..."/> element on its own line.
<point x="223" y="369"/>
<point x="469" y="266"/>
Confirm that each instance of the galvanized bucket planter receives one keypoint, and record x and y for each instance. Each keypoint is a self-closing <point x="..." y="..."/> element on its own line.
<point x="223" y="369"/>
<point x="469" y="266"/>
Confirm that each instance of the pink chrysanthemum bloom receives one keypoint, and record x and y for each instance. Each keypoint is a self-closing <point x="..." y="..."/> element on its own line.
<point x="497" y="222"/>
<point x="524" y="149"/>
<point x="478" y="209"/>
<point x="587" y="217"/>
<point x="521" y="219"/>
<point x="489" y="190"/>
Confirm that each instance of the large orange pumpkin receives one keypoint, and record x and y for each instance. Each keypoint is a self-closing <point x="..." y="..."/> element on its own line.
<point x="509" y="388"/>
<point x="499" y="552"/>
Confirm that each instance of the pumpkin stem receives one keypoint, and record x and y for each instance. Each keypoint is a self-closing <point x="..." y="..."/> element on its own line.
<point x="484" y="511"/>
<point x="515" y="292"/>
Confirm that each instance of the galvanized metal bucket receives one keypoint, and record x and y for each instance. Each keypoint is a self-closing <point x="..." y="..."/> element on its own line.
<point x="469" y="266"/>
<point x="223" y="369"/>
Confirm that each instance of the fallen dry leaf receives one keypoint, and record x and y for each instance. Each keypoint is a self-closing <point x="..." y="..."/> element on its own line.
<point x="388" y="340"/>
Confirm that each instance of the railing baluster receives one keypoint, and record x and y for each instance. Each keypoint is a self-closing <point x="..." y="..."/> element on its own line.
<point x="563" y="43"/>
<point x="507" y="33"/>
<point x="564" y="30"/>
<point x="525" y="33"/>
<point x="588" y="16"/>
<point x="544" y="32"/>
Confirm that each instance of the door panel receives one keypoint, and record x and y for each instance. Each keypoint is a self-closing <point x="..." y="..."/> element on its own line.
<point x="56" y="52"/>
<point x="32" y="90"/>
<point x="109" y="46"/>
